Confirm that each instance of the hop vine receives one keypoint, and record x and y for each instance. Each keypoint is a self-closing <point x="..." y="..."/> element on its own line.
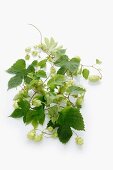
<point x="48" y="91"/>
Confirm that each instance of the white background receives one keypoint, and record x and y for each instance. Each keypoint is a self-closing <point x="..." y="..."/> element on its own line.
<point x="85" y="27"/>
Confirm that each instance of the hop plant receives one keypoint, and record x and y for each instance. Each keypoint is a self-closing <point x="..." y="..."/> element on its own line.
<point x="48" y="90"/>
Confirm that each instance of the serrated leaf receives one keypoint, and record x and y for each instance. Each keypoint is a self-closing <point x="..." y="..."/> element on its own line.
<point x="85" y="73"/>
<point x="15" y="81"/>
<point x="17" y="113"/>
<point x="53" y="125"/>
<point x="49" y="97"/>
<point x="46" y="41"/>
<point x="71" y="117"/>
<point x="59" y="52"/>
<point x="17" y="67"/>
<point x="71" y="65"/>
<point x="75" y="90"/>
<point x="24" y="105"/>
<point x="53" y="44"/>
<point x="62" y="61"/>
<point x="21" y="111"/>
<point x="41" y="73"/>
<point x="64" y="133"/>
<point x="62" y="70"/>
<point x="35" y="123"/>
<point x="29" y="70"/>
<point x="53" y="113"/>
<point x="56" y="80"/>
<point x="34" y="63"/>
<point x="35" y="114"/>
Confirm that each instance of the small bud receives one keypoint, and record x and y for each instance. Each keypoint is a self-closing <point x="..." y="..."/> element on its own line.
<point x="79" y="140"/>
<point x="52" y="70"/>
<point x="31" y="134"/>
<point x="94" y="78"/>
<point x="36" y="47"/>
<point x="40" y="82"/>
<point x="34" y="53"/>
<point x="98" y="61"/>
<point x="38" y="138"/>
<point x="36" y="102"/>
<point x="27" y="57"/>
<point x="50" y="129"/>
<point x="54" y="135"/>
<point x="28" y="50"/>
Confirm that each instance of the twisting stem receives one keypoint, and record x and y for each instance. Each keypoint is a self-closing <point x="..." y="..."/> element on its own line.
<point x="74" y="132"/>
<point x="93" y="68"/>
<point x="46" y="78"/>
<point x="98" y="71"/>
<point x="43" y="132"/>
<point x="32" y="96"/>
<point x="38" y="31"/>
<point x="67" y="97"/>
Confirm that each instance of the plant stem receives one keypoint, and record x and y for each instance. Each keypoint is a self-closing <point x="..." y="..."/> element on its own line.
<point x="32" y="96"/>
<point x="92" y="66"/>
<point x="74" y="132"/>
<point x="44" y="132"/>
<point x="38" y="31"/>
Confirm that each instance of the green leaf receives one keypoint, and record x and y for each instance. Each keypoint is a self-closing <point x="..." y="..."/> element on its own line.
<point x="49" y="97"/>
<point x="64" y="133"/>
<point x="71" y="117"/>
<point x="53" y="125"/>
<point x="15" y="81"/>
<point x="34" y="63"/>
<point x="17" y="113"/>
<point x="29" y="70"/>
<point x="42" y="63"/>
<point x="46" y="41"/>
<point x="35" y="114"/>
<point x="35" y="123"/>
<point x="85" y="73"/>
<point x="41" y="73"/>
<point x="53" y="113"/>
<point x="50" y="44"/>
<point x="24" y="105"/>
<point x="62" y="70"/>
<point x="75" y="90"/>
<point x="18" y="67"/>
<point x="56" y="80"/>
<point x="71" y="65"/>
<point x="53" y="44"/>
<point x="62" y="61"/>
<point x="59" y="52"/>
<point x="22" y="110"/>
